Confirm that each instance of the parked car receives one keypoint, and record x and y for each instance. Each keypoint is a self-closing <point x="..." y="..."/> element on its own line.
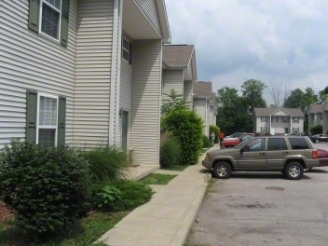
<point x="235" y="135"/>
<point x="319" y="138"/>
<point x="232" y="142"/>
<point x="287" y="154"/>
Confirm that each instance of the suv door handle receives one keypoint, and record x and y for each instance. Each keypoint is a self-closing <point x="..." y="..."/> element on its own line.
<point x="261" y="153"/>
<point x="286" y="152"/>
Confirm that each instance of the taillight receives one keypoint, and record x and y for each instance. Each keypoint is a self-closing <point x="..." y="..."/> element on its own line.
<point x="207" y="157"/>
<point x="314" y="154"/>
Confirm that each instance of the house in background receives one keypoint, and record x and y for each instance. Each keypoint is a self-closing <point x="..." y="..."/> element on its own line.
<point x="179" y="70"/>
<point x="278" y="121"/>
<point x="83" y="73"/>
<point x="203" y="102"/>
<point x="318" y="115"/>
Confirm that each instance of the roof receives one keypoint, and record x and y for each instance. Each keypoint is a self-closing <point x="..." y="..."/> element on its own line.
<point x="316" y="108"/>
<point x="177" y="55"/>
<point x="268" y="111"/>
<point x="202" y="89"/>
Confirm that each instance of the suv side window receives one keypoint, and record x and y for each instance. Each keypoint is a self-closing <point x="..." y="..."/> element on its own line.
<point x="277" y="144"/>
<point x="255" y="145"/>
<point x="245" y="137"/>
<point x="298" y="143"/>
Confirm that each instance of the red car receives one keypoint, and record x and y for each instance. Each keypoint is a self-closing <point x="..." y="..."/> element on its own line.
<point x="232" y="142"/>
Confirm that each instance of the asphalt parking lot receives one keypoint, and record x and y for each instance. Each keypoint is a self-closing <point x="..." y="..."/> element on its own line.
<point x="262" y="208"/>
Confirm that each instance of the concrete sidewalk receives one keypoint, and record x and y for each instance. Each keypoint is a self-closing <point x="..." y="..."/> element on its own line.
<point x="167" y="218"/>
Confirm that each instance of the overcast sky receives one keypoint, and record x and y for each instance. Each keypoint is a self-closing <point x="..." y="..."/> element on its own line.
<point x="236" y="40"/>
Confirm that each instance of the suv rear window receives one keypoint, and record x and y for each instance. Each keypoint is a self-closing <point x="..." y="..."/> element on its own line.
<point x="298" y="143"/>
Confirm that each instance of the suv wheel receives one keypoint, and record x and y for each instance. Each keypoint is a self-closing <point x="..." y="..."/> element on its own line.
<point x="294" y="171"/>
<point x="222" y="170"/>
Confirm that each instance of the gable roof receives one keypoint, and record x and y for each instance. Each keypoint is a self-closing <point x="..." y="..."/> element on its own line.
<point x="202" y="89"/>
<point x="178" y="55"/>
<point x="268" y="111"/>
<point x="316" y="108"/>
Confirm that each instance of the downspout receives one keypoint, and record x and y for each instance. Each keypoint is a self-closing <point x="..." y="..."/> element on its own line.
<point x="111" y="125"/>
<point x="118" y="81"/>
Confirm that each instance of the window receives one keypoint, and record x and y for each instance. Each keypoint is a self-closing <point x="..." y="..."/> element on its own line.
<point x="255" y="145"/>
<point x="285" y="119"/>
<point x="264" y="119"/>
<point x="244" y="138"/>
<point x="286" y="130"/>
<point x="50" y="18"/>
<point x="264" y="129"/>
<point x="277" y="144"/>
<point x="126" y="50"/>
<point x="296" y="130"/>
<point x="296" y="119"/>
<point x="45" y="119"/>
<point x="274" y="119"/>
<point x="298" y="143"/>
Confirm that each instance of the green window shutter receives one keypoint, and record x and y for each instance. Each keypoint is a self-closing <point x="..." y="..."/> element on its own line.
<point x="33" y="16"/>
<point x="64" y="23"/>
<point x="31" y="115"/>
<point x="61" y="121"/>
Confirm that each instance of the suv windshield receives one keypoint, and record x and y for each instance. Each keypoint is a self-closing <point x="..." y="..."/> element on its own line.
<point x="239" y="146"/>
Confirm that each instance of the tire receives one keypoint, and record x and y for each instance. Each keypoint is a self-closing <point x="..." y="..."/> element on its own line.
<point x="294" y="171"/>
<point x="221" y="170"/>
<point x="308" y="169"/>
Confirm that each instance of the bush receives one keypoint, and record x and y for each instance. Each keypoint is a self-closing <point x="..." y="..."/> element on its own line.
<point x="170" y="152"/>
<point x="216" y="131"/>
<point x="122" y="195"/>
<point x="187" y="127"/>
<point x="106" y="163"/>
<point x="46" y="187"/>
<point x="317" y="129"/>
<point x="207" y="143"/>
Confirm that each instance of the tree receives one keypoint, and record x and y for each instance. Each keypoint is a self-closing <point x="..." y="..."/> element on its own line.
<point x="323" y="95"/>
<point x="174" y="102"/>
<point x="309" y="98"/>
<point x="252" y="94"/>
<point x="279" y="91"/>
<point x="294" y="99"/>
<point x="232" y="111"/>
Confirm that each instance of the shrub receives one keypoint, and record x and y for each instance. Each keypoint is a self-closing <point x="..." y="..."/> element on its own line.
<point x="106" y="163"/>
<point x="170" y="150"/>
<point x="187" y="127"/>
<point x="46" y="187"/>
<point x="316" y="129"/>
<point x="207" y="143"/>
<point x="216" y="131"/>
<point x="122" y="195"/>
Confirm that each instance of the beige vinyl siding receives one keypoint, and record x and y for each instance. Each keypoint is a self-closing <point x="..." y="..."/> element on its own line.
<point x="31" y="61"/>
<point x="93" y="72"/>
<point x="150" y="11"/>
<point x="146" y="95"/>
<point x="200" y="108"/>
<point x="188" y="92"/>
<point x="172" y="79"/>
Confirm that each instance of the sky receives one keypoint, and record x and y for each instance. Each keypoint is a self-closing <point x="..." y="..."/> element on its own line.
<point x="279" y="41"/>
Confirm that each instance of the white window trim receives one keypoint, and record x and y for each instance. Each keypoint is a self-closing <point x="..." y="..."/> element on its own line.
<point x="59" y="24"/>
<point x="38" y="117"/>
<point x="129" y="51"/>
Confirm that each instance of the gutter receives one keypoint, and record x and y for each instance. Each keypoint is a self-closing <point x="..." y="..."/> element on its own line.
<point x="111" y="125"/>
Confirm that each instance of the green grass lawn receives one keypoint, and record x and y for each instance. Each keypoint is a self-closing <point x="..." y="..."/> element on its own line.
<point x="90" y="229"/>
<point x="157" y="179"/>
